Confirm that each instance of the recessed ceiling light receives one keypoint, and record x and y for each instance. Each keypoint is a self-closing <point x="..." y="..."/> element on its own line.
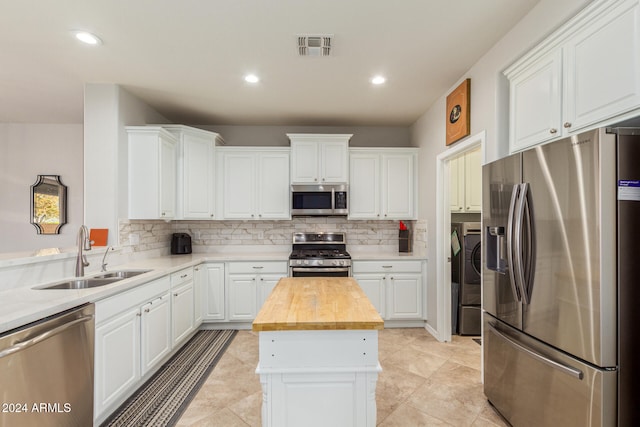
<point x="378" y="80"/>
<point x="86" y="37"/>
<point x="251" y="78"/>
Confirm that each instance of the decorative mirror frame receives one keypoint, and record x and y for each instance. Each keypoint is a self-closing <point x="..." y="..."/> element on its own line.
<point x="54" y="187"/>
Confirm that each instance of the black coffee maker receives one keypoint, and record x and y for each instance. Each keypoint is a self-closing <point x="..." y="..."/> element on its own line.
<point x="180" y="243"/>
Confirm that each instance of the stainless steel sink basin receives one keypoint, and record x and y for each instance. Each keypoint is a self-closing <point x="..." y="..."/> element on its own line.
<point x="122" y="274"/>
<point x="95" y="281"/>
<point x="80" y="283"/>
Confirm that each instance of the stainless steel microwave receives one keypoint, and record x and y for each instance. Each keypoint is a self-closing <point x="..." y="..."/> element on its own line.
<point x="319" y="199"/>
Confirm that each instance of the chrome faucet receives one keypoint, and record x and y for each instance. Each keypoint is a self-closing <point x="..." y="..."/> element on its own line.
<point x="104" y="264"/>
<point x="83" y="243"/>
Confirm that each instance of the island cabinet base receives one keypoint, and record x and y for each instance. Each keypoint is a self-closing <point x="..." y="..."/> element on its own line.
<point x="319" y="377"/>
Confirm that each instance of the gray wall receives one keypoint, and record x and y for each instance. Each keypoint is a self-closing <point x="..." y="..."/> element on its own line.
<point x="363" y="136"/>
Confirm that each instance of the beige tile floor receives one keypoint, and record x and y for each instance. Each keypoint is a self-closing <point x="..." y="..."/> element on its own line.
<point x="423" y="383"/>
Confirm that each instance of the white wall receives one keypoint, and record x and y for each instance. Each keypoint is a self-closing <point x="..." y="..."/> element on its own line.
<point x="29" y="150"/>
<point x="489" y="112"/>
<point x="108" y="109"/>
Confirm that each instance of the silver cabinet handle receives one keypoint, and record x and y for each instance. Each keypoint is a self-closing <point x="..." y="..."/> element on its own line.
<point x="175" y="295"/>
<point x="43" y="336"/>
<point x="258" y="267"/>
<point x="569" y="370"/>
<point x="387" y="266"/>
<point x="553" y="130"/>
<point x="567" y="125"/>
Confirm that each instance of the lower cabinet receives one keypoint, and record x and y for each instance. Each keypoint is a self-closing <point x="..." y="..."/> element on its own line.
<point x="396" y="288"/>
<point x="209" y="280"/>
<point x="155" y="338"/>
<point x="182" y="305"/>
<point x="249" y="284"/>
<point x="132" y="334"/>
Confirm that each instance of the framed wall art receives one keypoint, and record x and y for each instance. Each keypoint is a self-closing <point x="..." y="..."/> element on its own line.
<point x="458" y="112"/>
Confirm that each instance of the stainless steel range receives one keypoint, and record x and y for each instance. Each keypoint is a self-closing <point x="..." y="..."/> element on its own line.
<point x="319" y="254"/>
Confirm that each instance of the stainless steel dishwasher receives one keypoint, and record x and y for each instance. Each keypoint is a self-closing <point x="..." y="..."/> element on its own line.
<point x="46" y="371"/>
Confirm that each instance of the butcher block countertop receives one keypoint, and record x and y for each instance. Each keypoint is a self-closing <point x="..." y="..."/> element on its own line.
<point x="317" y="303"/>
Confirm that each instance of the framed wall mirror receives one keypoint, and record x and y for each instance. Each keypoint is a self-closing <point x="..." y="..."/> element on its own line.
<point x="48" y="204"/>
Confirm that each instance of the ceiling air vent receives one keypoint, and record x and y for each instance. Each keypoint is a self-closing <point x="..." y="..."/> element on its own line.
<point x="316" y="45"/>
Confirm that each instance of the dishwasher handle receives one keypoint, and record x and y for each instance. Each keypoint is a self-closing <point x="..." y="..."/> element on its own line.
<point x="43" y="336"/>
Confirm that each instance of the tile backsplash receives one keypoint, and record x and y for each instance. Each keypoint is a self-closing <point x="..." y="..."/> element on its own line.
<point x="146" y="235"/>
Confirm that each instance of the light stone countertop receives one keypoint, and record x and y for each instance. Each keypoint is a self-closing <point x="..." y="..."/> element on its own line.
<point x="24" y="305"/>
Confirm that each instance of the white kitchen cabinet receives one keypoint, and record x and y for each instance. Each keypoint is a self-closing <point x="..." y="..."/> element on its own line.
<point x="535" y="102"/>
<point x="319" y="158"/>
<point x="117" y="358"/>
<point x="254" y="183"/>
<point x="155" y="332"/>
<point x="395" y="288"/>
<point x="132" y="336"/>
<point x="383" y="183"/>
<point x="182" y="305"/>
<point x="195" y="192"/>
<point x="152" y="173"/>
<point x="210" y="278"/>
<point x="249" y="284"/>
<point x="584" y="74"/>
<point x="466" y="182"/>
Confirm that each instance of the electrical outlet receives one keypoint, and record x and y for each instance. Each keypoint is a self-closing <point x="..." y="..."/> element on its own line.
<point x="134" y="239"/>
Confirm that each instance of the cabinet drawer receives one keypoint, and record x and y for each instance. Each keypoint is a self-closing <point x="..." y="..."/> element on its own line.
<point x="182" y="276"/>
<point x="271" y="267"/>
<point x="109" y="307"/>
<point x="387" y="266"/>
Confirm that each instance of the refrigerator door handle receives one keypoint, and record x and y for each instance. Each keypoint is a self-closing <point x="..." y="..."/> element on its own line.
<point x="519" y="254"/>
<point x="569" y="370"/>
<point x="510" y="258"/>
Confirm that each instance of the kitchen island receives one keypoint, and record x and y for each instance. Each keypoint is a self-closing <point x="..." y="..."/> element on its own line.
<point x="318" y="350"/>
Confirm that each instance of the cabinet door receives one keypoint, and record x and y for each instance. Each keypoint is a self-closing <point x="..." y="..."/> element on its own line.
<point x="274" y="191"/>
<point x="602" y="67"/>
<point x="239" y="185"/>
<point x="334" y="162"/>
<point x="198" y="177"/>
<point x="364" y="186"/>
<point x="243" y="296"/>
<point x="167" y="178"/>
<point x="212" y="280"/>
<point x="473" y="181"/>
<point x="304" y="162"/>
<point x="535" y="103"/>
<point x="398" y="184"/>
<point x="373" y="286"/>
<point x="405" y="296"/>
<point x="456" y="184"/>
<point x="155" y="332"/>
<point x="182" y="312"/>
<point x="266" y="283"/>
<point x="117" y="358"/>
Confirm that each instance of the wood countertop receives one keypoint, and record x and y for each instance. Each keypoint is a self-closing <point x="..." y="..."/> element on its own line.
<point x="317" y="303"/>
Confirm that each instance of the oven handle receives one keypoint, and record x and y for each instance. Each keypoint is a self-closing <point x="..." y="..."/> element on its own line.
<point x="319" y="269"/>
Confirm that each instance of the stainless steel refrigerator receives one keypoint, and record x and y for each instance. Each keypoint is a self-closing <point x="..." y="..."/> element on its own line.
<point x="561" y="224"/>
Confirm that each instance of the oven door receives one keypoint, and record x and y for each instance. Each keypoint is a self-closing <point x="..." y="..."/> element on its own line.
<point x="319" y="271"/>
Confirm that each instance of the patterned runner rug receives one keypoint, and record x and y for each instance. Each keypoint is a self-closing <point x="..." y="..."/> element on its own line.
<point x="165" y="396"/>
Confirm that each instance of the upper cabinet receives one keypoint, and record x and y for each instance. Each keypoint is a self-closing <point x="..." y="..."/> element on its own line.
<point x="466" y="182"/>
<point x="383" y="183"/>
<point x="319" y="158"/>
<point x="253" y="183"/>
<point x="195" y="171"/>
<point x="584" y="74"/>
<point x="152" y="173"/>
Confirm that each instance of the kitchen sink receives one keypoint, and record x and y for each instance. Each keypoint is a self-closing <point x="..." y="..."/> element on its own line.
<point x="95" y="281"/>
<point x="122" y="274"/>
<point x="80" y="283"/>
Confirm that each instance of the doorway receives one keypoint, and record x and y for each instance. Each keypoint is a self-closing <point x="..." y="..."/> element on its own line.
<point x="443" y="227"/>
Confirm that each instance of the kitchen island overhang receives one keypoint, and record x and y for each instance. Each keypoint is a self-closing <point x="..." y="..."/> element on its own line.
<point x="318" y="353"/>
